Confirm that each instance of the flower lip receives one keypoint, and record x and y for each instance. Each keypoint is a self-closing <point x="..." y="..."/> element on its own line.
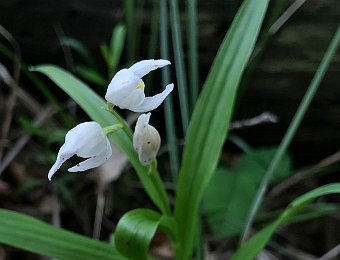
<point x="86" y="140"/>
<point x="126" y="89"/>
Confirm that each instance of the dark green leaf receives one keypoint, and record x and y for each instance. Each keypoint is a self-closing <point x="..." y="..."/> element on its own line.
<point x="135" y="231"/>
<point x="27" y="233"/>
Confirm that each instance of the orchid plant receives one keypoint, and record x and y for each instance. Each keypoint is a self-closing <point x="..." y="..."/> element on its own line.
<point x="126" y="90"/>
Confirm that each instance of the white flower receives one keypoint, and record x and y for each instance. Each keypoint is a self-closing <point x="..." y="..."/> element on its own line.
<point x="146" y="139"/>
<point x="86" y="140"/>
<point x="126" y="89"/>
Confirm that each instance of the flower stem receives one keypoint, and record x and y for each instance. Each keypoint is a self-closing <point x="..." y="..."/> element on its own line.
<point x="121" y="121"/>
<point x="112" y="128"/>
<point x="157" y="182"/>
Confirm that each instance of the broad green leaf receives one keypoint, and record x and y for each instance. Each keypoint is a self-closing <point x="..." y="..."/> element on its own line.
<point x="231" y="190"/>
<point x="253" y="247"/>
<point x="211" y="119"/>
<point x="30" y="234"/>
<point x="94" y="106"/>
<point x="135" y="231"/>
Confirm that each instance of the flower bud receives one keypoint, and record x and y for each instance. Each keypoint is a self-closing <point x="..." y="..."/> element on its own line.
<point x="146" y="140"/>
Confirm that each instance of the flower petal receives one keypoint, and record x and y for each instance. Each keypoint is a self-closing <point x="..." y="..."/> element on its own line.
<point x="151" y="143"/>
<point x="140" y="131"/>
<point x="150" y="103"/>
<point x="145" y="66"/>
<point x="94" y="161"/>
<point x="93" y="150"/>
<point x="84" y="136"/>
<point x="135" y="98"/>
<point x="63" y="154"/>
<point x="121" y="86"/>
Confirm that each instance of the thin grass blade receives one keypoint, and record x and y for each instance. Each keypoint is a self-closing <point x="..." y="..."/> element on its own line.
<point x="179" y="64"/>
<point x="294" y="125"/>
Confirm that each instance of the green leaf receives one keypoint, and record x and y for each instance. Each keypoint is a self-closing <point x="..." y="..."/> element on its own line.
<point x="211" y="119"/>
<point x="291" y="131"/>
<point x="80" y="48"/>
<point x="94" y="106"/>
<point x="135" y="231"/>
<point x="27" y="233"/>
<point x="91" y="75"/>
<point x="116" y="47"/>
<point x="253" y="246"/>
<point x="227" y="208"/>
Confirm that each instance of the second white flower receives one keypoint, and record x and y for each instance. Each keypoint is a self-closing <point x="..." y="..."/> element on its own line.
<point x="126" y="89"/>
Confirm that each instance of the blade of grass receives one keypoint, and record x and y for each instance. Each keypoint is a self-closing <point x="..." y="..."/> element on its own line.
<point x="294" y="125"/>
<point x="168" y="103"/>
<point x="193" y="50"/>
<point x="193" y="85"/>
<point x="254" y="246"/>
<point x="179" y="64"/>
<point x="129" y="7"/>
<point x="116" y="48"/>
<point x="211" y="119"/>
<point x="153" y="40"/>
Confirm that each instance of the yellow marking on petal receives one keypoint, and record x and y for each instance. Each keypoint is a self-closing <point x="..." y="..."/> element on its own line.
<point x="141" y="85"/>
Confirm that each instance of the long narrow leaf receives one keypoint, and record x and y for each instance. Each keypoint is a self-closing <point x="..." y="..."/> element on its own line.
<point x="94" y="106"/>
<point x="193" y="50"/>
<point x="179" y="63"/>
<point x="27" y="233"/>
<point x="211" y="118"/>
<point x="168" y="103"/>
<point x="253" y="247"/>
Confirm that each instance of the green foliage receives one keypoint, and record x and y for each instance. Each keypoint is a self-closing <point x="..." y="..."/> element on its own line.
<point x="207" y="132"/>
<point x="36" y="236"/>
<point x="292" y="129"/>
<point x="135" y="231"/>
<point x="81" y="49"/>
<point x="252" y="247"/>
<point x="91" y="75"/>
<point x="231" y="190"/>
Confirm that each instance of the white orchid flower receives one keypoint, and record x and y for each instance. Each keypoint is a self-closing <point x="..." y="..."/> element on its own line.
<point x="146" y="140"/>
<point x="126" y="89"/>
<point x="86" y="140"/>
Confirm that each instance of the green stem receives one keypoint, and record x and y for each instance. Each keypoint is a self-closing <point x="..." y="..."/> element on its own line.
<point x="193" y="50"/>
<point x="179" y="62"/>
<point x="157" y="182"/>
<point x="112" y="128"/>
<point x="125" y="126"/>
<point x="168" y="102"/>
<point x="129" y="6"/>
<point x="294" y="125"/>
